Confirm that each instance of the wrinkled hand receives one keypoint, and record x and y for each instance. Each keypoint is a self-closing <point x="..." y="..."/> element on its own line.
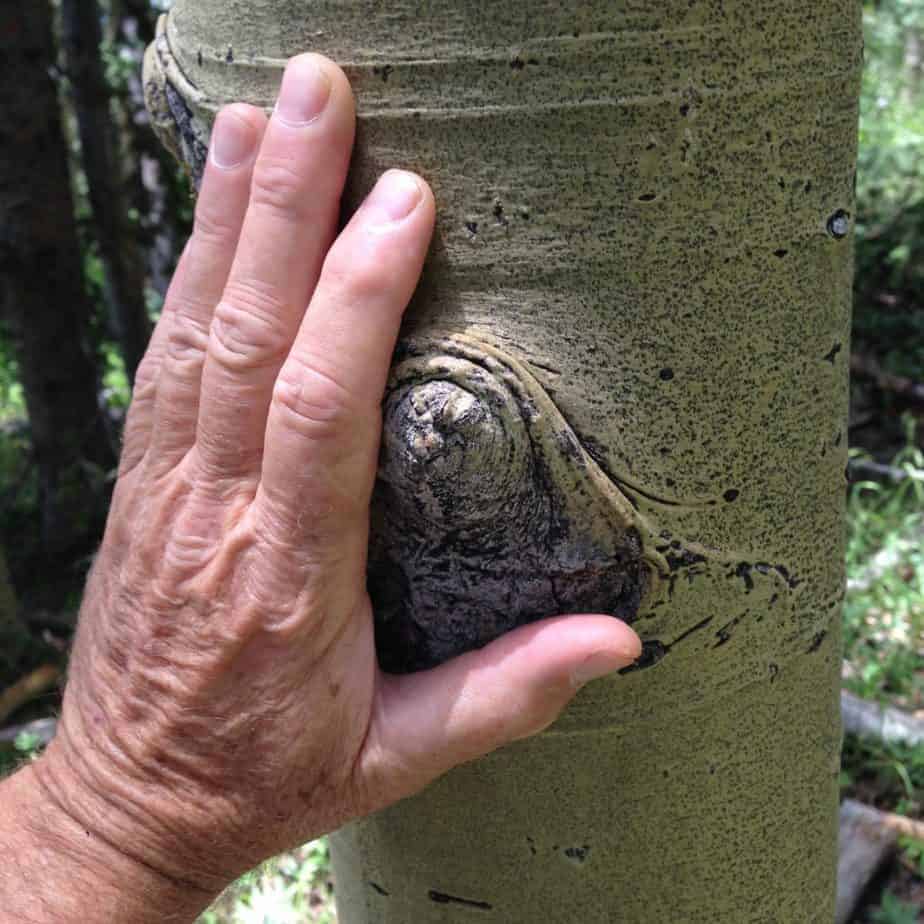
<point x="224" y="700"/>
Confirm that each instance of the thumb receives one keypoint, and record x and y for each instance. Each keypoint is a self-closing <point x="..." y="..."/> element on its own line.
<point x="426" y="723"/>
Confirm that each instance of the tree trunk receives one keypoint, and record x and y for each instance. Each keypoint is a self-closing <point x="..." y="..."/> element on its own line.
<point x="14" y="637"/>
<point x="117" y="237"/>
<point x="628" y="358"/>
<point x="42" y="300"/>
<point x="159" y="194"/>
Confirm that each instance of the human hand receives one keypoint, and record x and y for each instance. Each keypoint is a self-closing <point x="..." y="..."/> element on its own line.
<point x="224" y="700"/>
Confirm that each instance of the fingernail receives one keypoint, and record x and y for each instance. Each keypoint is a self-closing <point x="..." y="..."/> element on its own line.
<point x="304" y="92"/>
<point x="600" y="665"/>
<point x="233" y="140"/>
<point x="395" y="196"/>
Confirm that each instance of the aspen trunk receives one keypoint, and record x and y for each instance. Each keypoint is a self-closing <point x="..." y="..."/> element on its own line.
<point x="621" y="387"/>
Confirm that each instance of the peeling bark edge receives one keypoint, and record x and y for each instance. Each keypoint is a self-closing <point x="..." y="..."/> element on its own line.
<point x="173" y="102"/>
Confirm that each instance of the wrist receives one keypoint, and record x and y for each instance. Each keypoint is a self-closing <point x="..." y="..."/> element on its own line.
<point x="66" y="869"/>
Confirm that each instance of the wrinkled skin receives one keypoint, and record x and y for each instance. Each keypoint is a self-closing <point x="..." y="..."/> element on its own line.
<point x="224" y="700"/>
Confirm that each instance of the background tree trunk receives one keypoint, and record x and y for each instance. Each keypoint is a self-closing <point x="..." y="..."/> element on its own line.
<point x="42" y="301"/>
<point x="122" y="259"/>
<point x="14" y="638"/>
<point x="160" y="193"/>
<point x="628" y="357"/>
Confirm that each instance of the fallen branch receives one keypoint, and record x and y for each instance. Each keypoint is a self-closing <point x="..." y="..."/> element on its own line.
<point x="885" y="723"/>
<point x="863" y="847"/>
<point x="867" y="839"/>
<point x="32" y="685"/>
<point x="868" y="368"/>
<point x="864" y="469"/>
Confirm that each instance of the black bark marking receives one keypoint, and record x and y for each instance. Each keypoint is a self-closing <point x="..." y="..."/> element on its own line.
<point x="817" y="639"/>
<point x="839" y="224"/>
<point x="654" y="650"/>
<point x="377" y="888"/>
<point x="441" y="898"/>
<point x="577" y="854"/>
<point x="743" y="571"/>
<point x="832" y="353"/>
<point x="724" y="634"/>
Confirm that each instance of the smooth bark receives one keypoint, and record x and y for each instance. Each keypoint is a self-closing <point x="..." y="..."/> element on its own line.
<point x="621" y="388"/>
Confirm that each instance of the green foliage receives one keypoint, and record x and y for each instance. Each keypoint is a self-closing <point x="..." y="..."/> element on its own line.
<point x="912" y="849"/>
<point x="890" y="178"/>
<point x="116" y="388"/>
<point x="884" y="607"/>
<point x="893" y="910"/>
<point x="12" y="400"/>
<point x="889" y="774"/>
<point x="24" y="748"/>
<point x="294" y="888"/>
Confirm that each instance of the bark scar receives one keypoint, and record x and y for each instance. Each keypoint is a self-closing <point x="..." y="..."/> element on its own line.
<point x="489" y="513"/>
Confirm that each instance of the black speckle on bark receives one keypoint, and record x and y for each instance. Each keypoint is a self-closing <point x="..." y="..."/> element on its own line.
<point x="817" y="639"/>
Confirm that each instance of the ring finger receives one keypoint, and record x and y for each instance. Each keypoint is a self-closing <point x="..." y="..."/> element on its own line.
<point x="206" y="263"/>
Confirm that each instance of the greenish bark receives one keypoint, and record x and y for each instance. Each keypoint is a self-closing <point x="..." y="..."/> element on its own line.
<point x="627" y="368"/>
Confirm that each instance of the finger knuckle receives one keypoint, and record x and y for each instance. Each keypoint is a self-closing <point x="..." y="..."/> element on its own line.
<point x="279" y="187"/>
<point x="350" y="280"/>
<point x="312" y="400"/>
<point x="144" y="388"/>
<point x="133" y="451"/>
<point x="308" y="534"/>
<point x="212" y="227"/>
<point x="246" y="328"/>
<point x="186" y="340"/>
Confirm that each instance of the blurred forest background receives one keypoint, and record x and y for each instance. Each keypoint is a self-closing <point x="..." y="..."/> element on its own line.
<point x="93" y="214"/>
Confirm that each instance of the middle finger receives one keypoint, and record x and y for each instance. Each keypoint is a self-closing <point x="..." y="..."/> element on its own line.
<point x="291" y="220"/>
